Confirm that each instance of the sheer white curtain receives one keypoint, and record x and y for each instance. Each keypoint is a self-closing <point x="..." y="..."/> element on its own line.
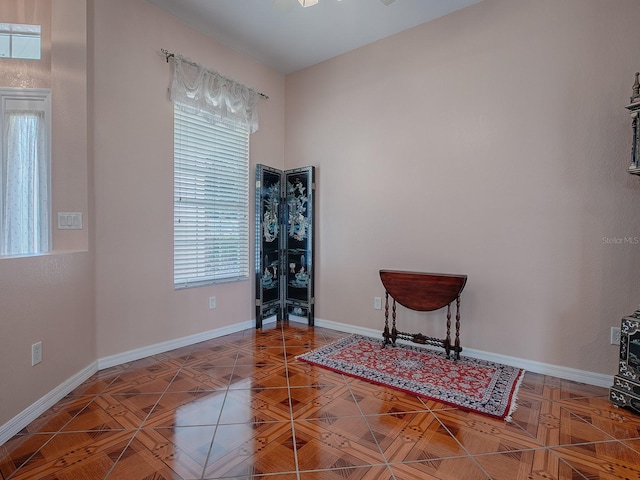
<point x="218" y="99"/>
<point x="24" y="219"/>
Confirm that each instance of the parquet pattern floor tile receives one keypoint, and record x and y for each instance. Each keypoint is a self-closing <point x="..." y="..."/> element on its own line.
<point x="240" y="407"/>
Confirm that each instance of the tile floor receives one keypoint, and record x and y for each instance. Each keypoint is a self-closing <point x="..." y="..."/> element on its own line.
<point x="242" y="407"/>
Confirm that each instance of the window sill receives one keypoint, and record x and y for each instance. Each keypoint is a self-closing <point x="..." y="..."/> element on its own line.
<point x="44" y="254"/>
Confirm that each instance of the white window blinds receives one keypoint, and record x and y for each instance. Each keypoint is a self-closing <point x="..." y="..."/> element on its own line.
<point x="211" y="201"/>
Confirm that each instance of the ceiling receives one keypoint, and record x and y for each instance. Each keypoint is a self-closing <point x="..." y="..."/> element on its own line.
<point x="287" y="37"/>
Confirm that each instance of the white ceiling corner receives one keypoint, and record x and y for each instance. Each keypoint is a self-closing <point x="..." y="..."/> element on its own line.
<point x="287" y="37"/>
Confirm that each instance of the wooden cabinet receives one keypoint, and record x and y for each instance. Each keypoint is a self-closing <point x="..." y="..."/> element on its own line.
<point x="625" y="391"/>
<point x="634" y="109"/>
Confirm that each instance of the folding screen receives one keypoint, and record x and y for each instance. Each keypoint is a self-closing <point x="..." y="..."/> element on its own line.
<point x="284" y="243"/>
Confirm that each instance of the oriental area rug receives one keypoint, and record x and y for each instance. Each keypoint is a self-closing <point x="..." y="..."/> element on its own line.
<point x="470" y="384"/>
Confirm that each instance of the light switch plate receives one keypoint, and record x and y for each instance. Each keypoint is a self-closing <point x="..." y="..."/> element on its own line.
<point x="69" y="221"/>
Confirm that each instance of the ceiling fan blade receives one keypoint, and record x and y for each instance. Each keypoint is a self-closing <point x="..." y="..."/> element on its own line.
<point x="288" y="5"/>
<point x="284" y="5"/>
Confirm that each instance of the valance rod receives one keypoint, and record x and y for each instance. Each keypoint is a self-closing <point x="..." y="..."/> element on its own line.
<point x="167" y="55"/>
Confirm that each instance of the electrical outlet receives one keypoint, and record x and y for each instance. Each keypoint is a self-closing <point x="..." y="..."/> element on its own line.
<point x="377" y="303"/>
<point x="212" y="303"/>
<point x="615" y="335"/>
<point x="36" y="353"/>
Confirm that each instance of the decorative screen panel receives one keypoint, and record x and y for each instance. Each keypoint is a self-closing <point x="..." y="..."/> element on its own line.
<point x="284" y="243"/>
<point x="299" y="242"/>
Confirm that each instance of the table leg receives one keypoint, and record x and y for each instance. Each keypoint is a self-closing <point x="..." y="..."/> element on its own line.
<point x="447" y="339"/>
<point x="385" y="334"/>
<point x="394" y="330"/>
<point x="457" y="344"/>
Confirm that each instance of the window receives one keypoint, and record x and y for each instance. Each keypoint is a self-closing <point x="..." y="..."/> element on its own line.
<point x="24" y="171"/>
<point x="20" y="41"/>
<point x="211" y="201"/>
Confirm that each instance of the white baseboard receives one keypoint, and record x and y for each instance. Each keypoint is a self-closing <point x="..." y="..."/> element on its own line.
<point x="32" y="412"/>
<point x="591" y="378"/>
<point x="25" y="417"/>
<point x="162" y="347"/>
<point x="43" y="404"/>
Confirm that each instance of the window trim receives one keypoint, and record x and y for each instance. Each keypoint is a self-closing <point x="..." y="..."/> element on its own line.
<point x="42" y="98"/>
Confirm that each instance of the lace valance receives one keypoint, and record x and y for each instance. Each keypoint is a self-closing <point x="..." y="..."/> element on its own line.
<point x="218" y="99"/>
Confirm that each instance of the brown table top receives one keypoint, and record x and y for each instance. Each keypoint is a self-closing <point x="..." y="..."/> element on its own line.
<point x="422" y="291"/>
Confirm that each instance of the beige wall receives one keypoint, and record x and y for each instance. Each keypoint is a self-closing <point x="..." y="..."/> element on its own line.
<point x="491" y="142"/>
<point x="136" y="302"/>
<point x="50" y="298"/>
